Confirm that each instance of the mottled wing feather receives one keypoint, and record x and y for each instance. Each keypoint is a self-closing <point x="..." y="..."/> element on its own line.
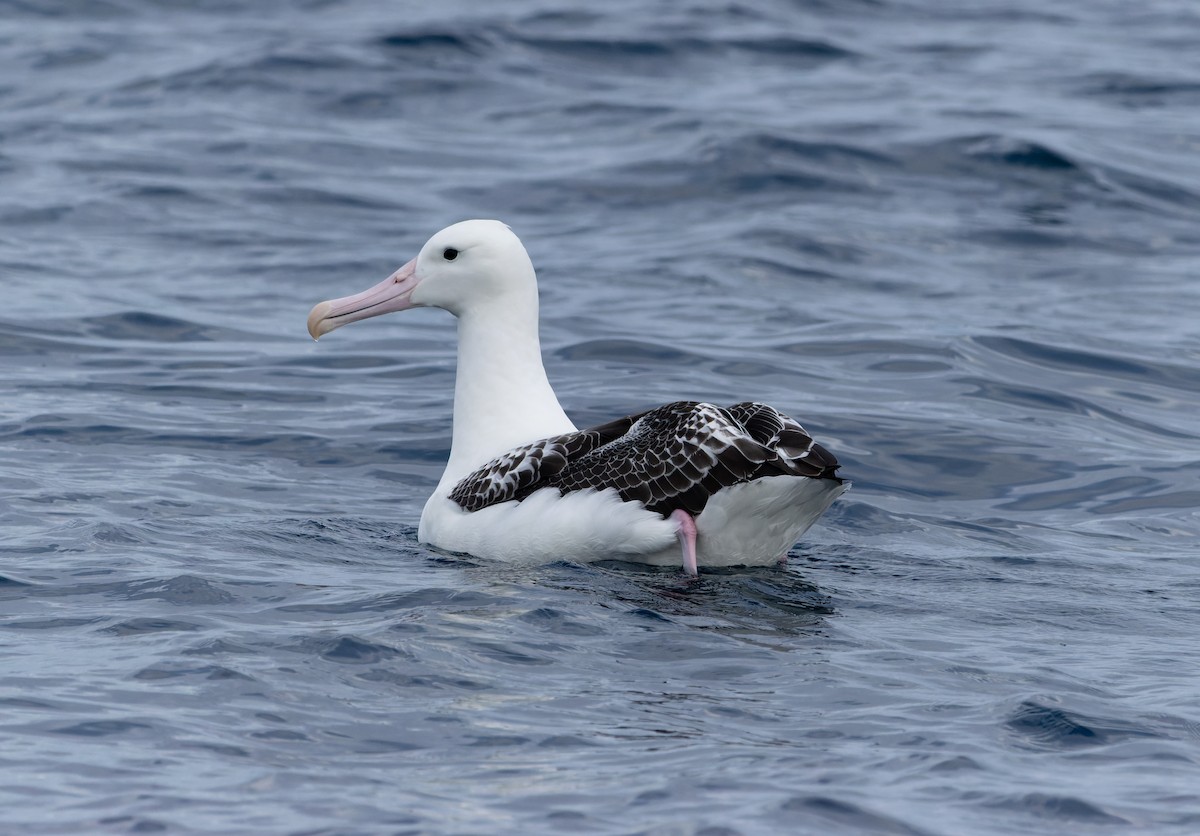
<point x="672" y="457"/>
<point x="522" y="470"/>
<point x="675" y="456"/>
<point x="798" y="454"/>
<point x="500" y="479"/>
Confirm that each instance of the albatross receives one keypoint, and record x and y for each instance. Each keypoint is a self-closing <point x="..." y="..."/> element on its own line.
<point x="686" y="482"/>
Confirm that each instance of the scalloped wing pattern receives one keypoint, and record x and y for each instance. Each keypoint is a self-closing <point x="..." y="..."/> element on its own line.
<point x="672" y="457"/>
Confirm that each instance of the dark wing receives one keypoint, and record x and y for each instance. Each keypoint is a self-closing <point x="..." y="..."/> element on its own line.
<point x="522" y="470"/>
<point x="797" y="454"/>
<point x="675" y="456"/>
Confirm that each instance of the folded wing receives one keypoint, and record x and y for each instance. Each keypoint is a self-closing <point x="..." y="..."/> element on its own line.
<point x="672" y="457"/>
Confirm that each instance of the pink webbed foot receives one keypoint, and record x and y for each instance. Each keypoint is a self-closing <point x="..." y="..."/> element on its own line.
<point x="685" y="530"/>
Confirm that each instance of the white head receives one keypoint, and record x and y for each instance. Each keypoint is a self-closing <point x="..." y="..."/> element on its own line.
<point x="467" y="266"/>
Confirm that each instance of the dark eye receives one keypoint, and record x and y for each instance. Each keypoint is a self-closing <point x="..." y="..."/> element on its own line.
<point x="449" y="253"/>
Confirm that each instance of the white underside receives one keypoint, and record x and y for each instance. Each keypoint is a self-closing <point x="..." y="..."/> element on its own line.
<point x="751" y="524"/>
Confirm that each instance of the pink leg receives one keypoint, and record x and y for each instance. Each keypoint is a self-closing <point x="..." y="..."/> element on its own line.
<point x="686" y="532"/>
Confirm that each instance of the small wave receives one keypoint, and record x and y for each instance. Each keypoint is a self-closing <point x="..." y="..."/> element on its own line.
<point x="356" y="651"/>
<point x="167" y="194"/>
<point x="556" y="622"/>
<point x="177" y="670"/>
<point x="422" y="43"/>
<point x="766" y="150"/>
<point x="181" y="590"/>
<point x="1019" y="161"/>
<point x="398" y="601"/>
<point x="104" y="728"/>
<point x="1047" y="727"/>
<point x="1150" y="191"/>
<point x="264" y="73"/>
<point x="638" y="53"/>
<point x="148" y="327"/>
<point x="293" y="196"/>
<point x="1013" y="151"/>
<point x="1061" y="808"/>
<point x="841" y="813"/>
<point x="9" y="583"/>
<point x="990" y="157"/>
<point x="1093" y="362"/>
<point x="629" y="352"/>
<point x="1138" y="91"/>
<point x="772" y="168"/>
<point x="142" y="626"/>
<point x="506" y="653"/>
<point x="80" y="431"/>
<point x="1055" y="400"/>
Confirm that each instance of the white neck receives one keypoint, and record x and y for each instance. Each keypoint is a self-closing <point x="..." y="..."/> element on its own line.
<point x="502" y="398"/>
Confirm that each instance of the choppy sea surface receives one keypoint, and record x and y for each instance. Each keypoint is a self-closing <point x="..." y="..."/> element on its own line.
<point x="960" y="242"/>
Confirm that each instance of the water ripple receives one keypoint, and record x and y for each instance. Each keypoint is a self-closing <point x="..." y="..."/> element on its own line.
<point x="957" y="243"/>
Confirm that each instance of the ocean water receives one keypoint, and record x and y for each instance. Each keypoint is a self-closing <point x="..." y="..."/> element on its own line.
<point x="960" y="242"/>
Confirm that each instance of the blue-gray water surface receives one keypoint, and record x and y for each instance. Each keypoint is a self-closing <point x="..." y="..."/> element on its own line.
<point x="960" y="242"/>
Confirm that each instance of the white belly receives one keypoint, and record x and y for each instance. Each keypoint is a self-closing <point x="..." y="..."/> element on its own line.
<point x="751" y="524"/>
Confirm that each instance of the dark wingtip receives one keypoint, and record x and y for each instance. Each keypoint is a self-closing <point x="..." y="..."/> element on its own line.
<point x="828" y="463"/>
